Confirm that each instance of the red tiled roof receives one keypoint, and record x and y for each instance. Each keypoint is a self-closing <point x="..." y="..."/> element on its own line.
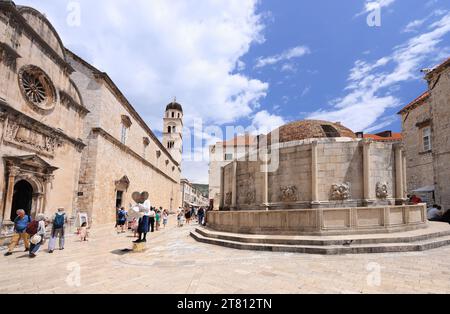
<point x="416" y="102"/>
<point x="393" y="138"/>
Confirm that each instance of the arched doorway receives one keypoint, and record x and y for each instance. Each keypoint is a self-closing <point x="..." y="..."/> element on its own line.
<point x="22" y="198"/>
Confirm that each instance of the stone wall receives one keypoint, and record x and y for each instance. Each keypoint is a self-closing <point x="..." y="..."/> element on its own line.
<point x="440" y="98"/>
<point x="324" y="221"/>
<point x="341" y="180"/>
<point x="419" y="163"/>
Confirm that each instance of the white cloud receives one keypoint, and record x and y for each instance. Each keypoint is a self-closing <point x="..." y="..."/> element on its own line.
<point x="371" y="5"/>
<point x="155" y="50"/>
<point x="414" y="26"/>
<point x="295" y="52"/>
<point x="264" y="122"/>
<point x="371" y="85"/>
<point x="305" y="91"/>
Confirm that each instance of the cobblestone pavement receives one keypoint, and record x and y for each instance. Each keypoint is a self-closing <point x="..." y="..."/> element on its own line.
<point x="175" y="263"/>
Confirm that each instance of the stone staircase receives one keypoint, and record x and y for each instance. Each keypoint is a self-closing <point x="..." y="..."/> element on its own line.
<point x="437" y="235"/>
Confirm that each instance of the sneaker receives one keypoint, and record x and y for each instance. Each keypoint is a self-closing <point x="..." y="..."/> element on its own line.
<point x="61" y="249"/>
<point x="145" y="240"/>
<point x="32" y="255"/>
<point x="50" y="252"/>
<point x="137" y="241"/>
<point x="26" y="250"/>
<point x="8" y="254"/>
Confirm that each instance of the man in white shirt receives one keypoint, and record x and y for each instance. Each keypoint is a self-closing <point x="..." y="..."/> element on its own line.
<point x="435" y="213"/>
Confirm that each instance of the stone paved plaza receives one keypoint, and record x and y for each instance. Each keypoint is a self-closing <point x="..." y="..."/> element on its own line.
<point x="175" y="263"/>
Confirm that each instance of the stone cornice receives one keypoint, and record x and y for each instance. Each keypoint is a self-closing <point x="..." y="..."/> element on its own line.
<point x="20" y="21"/>
<point x="69" y="101"/>
<point x="103" y="77"/>
<point x="129" y="151"/>
<point x="7" y="111"/>
<point x="8" y="55"/>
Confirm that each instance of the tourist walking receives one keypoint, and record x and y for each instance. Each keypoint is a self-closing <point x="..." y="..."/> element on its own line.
<point x="201" y="214"/>
<point x="165" y="217"/>
<point x="20" y="225"/>
<point x="121" y="220"/>
<point x="152" y="217"/>
<point x="143" y="228"/>
<point x="36" y="231"/>
<point x="187" y="215"/>
<point x="59" y="220"/>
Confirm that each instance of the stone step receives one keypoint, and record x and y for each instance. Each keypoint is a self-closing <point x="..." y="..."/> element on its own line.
<point x="435" y="230"/>
<point x="329" y="249"/>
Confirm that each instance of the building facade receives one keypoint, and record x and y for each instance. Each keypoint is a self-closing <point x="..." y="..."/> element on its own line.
<point x="123" y="155"/>
<point x="222" y="154"/>
<point x="426" y="132"/>
<point x="192" y="196"/>
<point x="68" y="136"/>
<point x="41" y="117"/>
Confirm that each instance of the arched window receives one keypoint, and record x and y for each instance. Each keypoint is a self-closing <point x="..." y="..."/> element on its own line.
<point x="174" y="129"/>
<point x="169" y="129"/>
<point x="178" y="116"/>
<point x="173" y="114"/>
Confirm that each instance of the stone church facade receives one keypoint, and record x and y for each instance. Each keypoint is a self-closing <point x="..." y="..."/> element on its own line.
<point x="68" y="136"/>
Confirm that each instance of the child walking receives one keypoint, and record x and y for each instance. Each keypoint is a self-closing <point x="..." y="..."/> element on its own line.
<point x="83" y="232"/>
<point x="165" y="218"/>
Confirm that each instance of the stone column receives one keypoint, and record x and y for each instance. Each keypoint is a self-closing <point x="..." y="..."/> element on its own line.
<point x="13" y="173"/>
<point x="405" y="181"/>
<point x="48" y="180"/>
<point x="399" y="194"/>
<point x="266" y="186"/>
<point x="314" y="175"/>
<point x="368" y="189"/>
<point x="222" y="188"/>
<point x="234" y="186"/>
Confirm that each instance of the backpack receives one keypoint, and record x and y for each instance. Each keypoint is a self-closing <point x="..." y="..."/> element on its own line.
<point x="59" y="221"/>
<point x="122" y="215"/>
<point x="32" y="228"/>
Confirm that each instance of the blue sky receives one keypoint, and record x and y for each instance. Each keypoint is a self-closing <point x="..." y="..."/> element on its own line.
<point x="258" y="63"/>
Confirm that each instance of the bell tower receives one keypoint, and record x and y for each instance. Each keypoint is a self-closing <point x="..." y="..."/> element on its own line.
<point x="173" y="130"/>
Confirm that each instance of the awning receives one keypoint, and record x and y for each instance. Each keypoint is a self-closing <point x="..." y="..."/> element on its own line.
<point x="425" y="189"/>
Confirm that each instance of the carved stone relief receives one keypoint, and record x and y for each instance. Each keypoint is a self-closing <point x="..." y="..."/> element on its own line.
<point x="382" y="190"/>
<point x="289" y="193"/>
<point x="31" y="139"/>
<point x="228" y="198"/>
<point x="340" y="192"/>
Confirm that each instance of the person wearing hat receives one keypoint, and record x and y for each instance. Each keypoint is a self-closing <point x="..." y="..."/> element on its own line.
<point x="20" y="226"/>
<point x="59" y="220"/>
<point x="37" y="239"/>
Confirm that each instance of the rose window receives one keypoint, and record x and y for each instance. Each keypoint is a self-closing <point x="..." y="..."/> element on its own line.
<point x="37" y="88"/>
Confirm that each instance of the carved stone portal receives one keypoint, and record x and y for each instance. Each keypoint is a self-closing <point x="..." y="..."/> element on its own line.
<point x="289" y="194"/>
<point x="340" y="192"/>
<point x="382" y="190"/>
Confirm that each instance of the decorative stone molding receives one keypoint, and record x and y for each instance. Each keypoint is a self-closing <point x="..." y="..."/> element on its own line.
<point x="123" y="184"/>
<point x="17" y="22"/>
<point x="126" y="121"/>
<point x="68" y="101"/>
<point x="8" y="56"/>
<point x="26" y="132"/>
<point x="146" y="141"/>
<point x="340" y="192"/>
<point x="382" y="190"/>
<point x="28" y="138"/>
<point x="289" y="193"/>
